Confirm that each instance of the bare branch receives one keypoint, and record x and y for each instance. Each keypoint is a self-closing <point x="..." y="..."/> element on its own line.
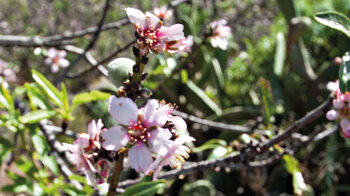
<point x="88" y="47"/>
<point x="27" y="41"/>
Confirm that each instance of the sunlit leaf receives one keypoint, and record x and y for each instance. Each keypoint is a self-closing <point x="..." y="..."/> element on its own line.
<point x="48" y="87"/>
<point x="90" y="96"/>
<point x="37" y="115"/>
<point x="144" y="188"/>
<point x="199" y="187"/>
<point x="334" y="20"/>
<point x="344" y="73"/>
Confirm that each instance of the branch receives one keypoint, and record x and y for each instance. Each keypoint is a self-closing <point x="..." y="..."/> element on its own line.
<point x="231" y="160"/>
<point x="88" y="47"/>
<point x="27" y="41"/>
<point x="217" y="125"/>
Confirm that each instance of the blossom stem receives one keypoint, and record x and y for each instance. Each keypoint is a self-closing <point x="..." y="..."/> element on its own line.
<point x="114" y="179"/>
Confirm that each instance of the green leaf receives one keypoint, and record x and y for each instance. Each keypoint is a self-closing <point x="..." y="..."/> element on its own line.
<point x="334" y="20"/>
<point x="50" y="162"/>
<point x="344" y="73"/>
<point x="5" y="98"/>
<point x="36" y="116"/>
<point x="211" y="144"/>
<point x="218" y="73"/>
<point x="48" y="87"/>
<point x="36" y="99"/>
<point x="292" y="166"/>
<point x="40" y="144"/>
<point x="90" y="96"/>
<point x="184" y="76"/>
<point x="280" y="54"/>
<point x="65" y="97"/>
<point x="200" y="98"/>
<point x="199" y="187"/>
<point x="267" y="100"/>
<point x="144" y="188"/>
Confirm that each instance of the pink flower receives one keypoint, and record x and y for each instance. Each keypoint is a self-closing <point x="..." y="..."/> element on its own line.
<point x="8" y="73"/>
<point x="220" y="34"/>
<point x="152" y="35"/>
<point x="341" y="108"/>
<point x="55" y="58"/>
<point x="176" y="155"/>
<point x="145" y="131"/>
<point x="163" y="12"/>
<point x="83" y="151"/>
<point x="183" y="45"/>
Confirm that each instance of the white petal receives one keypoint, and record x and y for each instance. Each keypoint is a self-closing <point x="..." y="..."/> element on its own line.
<point x="332" y="115"/>
<point x="54" y="68"/>
<point x="160" y="142"/>
<point x="63" y="62"/>
<point x="114" y="138"/>
<point x="179" y="123"/>
<point x="62" y="53"/>
<point x="92" y="129"/>
<point x="135" y="16"/>
<point x="123" y="110"/>
<point x="140" y="157"/>
<point x="151" y="20"/>
<point x="52" y="52"/>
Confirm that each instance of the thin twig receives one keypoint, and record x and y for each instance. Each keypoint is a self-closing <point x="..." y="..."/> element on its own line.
<point x="216" y="125"/>
<point x="88" y="47"/>
<point x="114" y="179"/>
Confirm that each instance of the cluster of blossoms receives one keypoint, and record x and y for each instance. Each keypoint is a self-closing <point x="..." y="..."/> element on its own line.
<point x="56" y="59"/>
<point x="84" y="154"/>
<point x="148" y="132"/>
<point x="9" y="74"/>
<point x="220" y="33"/>
<point x="152" y="36"/>
<point x="341" y="108"/>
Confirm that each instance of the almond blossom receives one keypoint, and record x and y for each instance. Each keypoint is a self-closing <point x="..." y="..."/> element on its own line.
<point x="183" y="45"/>
<point x="56" y="59"/>
<point x="152" y="36"/>
<point x="8" y="73"/>
<point x="145" y="131"/>
<point x="220" y="34"/>
<point x="341" y="108"/>
<point x="164" y="13"/>
<point x="82" y="154"/>
<point x="176" y="155"/>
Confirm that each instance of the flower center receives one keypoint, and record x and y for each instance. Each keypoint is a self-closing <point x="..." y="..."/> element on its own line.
<point x="56" y="60"/>
<point x="148" y="36"/>
<point x="138" y="132"/>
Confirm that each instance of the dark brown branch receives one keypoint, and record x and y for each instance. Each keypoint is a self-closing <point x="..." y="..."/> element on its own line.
<point x="88" y="47"/>
<point x="216" y="125"/>
<point x="231" y="160"/>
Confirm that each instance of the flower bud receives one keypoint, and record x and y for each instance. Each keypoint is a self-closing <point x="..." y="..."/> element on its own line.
<point x="119" y="69"/>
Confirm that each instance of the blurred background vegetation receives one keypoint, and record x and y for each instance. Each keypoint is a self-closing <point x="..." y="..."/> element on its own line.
<point x="277" y="66"/>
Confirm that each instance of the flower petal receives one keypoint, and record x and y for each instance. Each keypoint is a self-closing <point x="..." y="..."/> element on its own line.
<point x="160" y="142"/>
<point x="140" y="157"/>
<point x="63" y="62"/>
<point x="135" y="16"/>
<point x="345" y="127"/>
<point x="114" y="138"/>
<point x="174" y="32"/>
<point x="123" y="110"/>
<point x="332" y="115"/>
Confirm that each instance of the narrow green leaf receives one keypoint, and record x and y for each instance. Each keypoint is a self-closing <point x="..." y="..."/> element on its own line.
<point x="267" y="100"/>
<point x="280" y="54"/>
<point x="40" y="144"/>
<point x="36" y="116"/>
<point x="144" y="188"/>
<point x="65" y="98"/>
<point x="184" y="76"/>
<point x="5" y="98"/>
<point x="48" y="87"/>
<point x="202" y="98"/>
<point x="36" y="97"/>
<point x="334" y="20"/>
<point x="50" y="162"/>
<point x="344" y="73"/>
<point x="211" y="144"/>
<point x="90" y="96"/>
<point x="218" y="73"/>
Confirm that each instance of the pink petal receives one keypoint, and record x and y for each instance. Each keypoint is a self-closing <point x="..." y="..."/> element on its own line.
<point x="92" y="129"/>
<point x="332" y="115"/>
<point x="345" y="127"/>
<point x="135" y="16"/>
<point x="184" y="139"/>
<point x="114" y="138"/>
<point x="156" y="166"/>
<point x="54" y="68"/>
<point x="152" y="20"/>
<point x="148" y="111"/>
<point x="48" y="61"/>
<point x="338" y="104"/>
<point x="52" y="52"/>
<point x="140" y="157"/>
<point x="123" y="110"/>
<point x="82" y="141"/>
<point x="174" y="32"/>
<point x="63" y="62"/>
<point x="179" y="123"/>
<point x="160" y="142"/>
<point x="62" y="53"/>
